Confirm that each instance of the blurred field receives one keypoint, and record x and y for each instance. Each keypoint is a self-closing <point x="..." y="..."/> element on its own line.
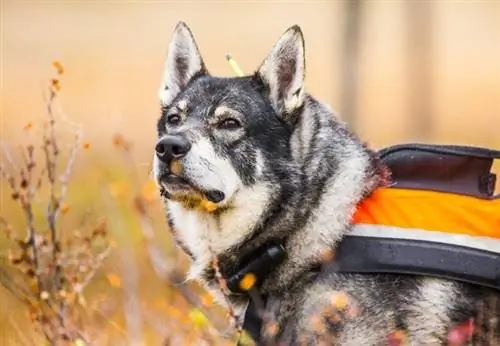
<point x="113" y="51"/>
<point x="132" y="300"/>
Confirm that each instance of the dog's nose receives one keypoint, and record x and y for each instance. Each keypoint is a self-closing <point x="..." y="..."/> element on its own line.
<point x="172" y="147"/>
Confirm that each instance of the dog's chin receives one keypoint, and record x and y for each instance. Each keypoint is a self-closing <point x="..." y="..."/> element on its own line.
<point x="182" y="189"/>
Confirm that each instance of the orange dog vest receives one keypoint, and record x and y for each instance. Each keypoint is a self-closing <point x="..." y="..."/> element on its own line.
<point x="438" y="218"/>
<point x="431" y="211"/>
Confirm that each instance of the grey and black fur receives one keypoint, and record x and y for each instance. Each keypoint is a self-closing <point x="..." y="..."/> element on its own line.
<point x="280" y="166"/>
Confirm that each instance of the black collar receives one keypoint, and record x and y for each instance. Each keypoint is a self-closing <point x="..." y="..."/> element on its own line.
<point x="262" y="262"/>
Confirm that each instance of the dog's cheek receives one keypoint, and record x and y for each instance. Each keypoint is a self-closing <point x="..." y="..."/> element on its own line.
<point x="231" y="180"/>
<point x="247" y="163"/>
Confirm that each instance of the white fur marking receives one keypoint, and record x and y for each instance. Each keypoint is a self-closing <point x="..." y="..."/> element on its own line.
<point x="200" y="231"/>
<point x="209" y="170"/>
<point x="430" y="311"/>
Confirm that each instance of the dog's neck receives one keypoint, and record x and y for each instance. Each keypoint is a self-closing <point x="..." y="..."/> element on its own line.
<point x="280" y="252"/>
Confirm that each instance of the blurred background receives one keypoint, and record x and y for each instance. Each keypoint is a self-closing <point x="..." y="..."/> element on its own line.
<point x="396" y="71"/>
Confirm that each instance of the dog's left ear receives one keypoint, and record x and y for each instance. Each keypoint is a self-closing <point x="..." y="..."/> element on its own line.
<point x="283" y="72"/>
<point x="182" y="64"/>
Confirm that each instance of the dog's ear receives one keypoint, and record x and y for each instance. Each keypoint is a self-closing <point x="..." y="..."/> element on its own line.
<point x="283" y="71"/>
<point x="183" y="62"/>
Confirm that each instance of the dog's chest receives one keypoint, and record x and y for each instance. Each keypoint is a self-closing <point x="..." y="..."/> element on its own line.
<point x="206" y="234"/>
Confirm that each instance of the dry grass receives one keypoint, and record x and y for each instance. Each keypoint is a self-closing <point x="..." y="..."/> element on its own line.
<point x="87" y="257"/>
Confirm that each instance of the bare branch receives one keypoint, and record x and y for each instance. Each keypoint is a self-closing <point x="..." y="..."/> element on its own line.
<point x="42" y="258"/>
<point x="96" y="265"/>
<point x="8" y="157"/>
<point x="7" y="227"/>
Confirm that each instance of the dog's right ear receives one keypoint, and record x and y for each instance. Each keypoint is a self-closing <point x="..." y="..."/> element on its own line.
<point x="182" y="64"/>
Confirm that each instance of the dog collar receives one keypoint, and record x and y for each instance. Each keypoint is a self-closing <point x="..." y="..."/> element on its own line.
<point x="266" y="259"/>
<point x="263" y="262"/>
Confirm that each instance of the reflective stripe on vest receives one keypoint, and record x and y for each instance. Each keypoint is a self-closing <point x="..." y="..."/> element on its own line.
<point x="381" y="231"/>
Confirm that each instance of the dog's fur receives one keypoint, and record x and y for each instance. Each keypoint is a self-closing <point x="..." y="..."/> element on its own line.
<point x="289" y="170"/>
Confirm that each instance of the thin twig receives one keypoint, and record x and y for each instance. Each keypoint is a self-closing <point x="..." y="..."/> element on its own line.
<point x="8" y="157"/>
<point x="54" y="315"/>
<point x="98" y="262"/>
<point x="221" y="282"/>
<point x="7" y="227"/>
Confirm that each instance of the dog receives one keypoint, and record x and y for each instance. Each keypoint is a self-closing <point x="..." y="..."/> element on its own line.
<point x="244" y="161"/>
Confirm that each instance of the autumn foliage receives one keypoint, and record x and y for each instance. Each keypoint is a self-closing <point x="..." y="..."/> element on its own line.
<point x="68" y="269"/>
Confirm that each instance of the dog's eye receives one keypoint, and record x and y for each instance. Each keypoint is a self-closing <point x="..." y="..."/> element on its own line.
<point x="173" y="119"/>
<point x="229" y="124"/>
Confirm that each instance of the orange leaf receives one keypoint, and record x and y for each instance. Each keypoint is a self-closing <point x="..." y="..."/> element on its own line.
<point x="316" y="323"/>
<point x="340" y="300"/>
<point x="160" y="303"/>
<point x="56" y="84"/>
<point x="120" y="142"/>
<point x="271" y="329"/>
<point x="207" y="300"/>
<point x="114" y="280"/>
<point x="397" y="338"/>
<point x="461" y="334"/>
<point x="149" y="191"/>
<point x="58" y="66"/>
<point x="118" y="189"/>
<point x="174" y="312"/>
<point x="64" y="208"/>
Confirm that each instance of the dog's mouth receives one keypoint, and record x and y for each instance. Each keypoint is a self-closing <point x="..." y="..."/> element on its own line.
<point x="179" y="187"/>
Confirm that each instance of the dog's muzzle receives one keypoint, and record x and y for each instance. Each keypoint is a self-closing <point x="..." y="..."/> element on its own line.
<point x="169" y="150"/>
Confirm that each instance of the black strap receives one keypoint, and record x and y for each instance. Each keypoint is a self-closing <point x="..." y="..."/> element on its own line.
<point x="372" y="255"/>
<point x="264" y="261"/>
<point x="252" y="323"/>
<point x="459" y="150"/>
<point x="444" y="168"/>
<point x="360" y="254"/>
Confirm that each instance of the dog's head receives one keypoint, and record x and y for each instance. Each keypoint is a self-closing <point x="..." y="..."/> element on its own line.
<point x="217" y="136"/>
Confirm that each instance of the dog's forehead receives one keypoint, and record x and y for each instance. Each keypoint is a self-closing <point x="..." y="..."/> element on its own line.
<point x="240" y="94"/>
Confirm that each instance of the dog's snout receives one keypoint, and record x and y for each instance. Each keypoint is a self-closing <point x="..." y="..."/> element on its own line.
<point x="172" y="147"/>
